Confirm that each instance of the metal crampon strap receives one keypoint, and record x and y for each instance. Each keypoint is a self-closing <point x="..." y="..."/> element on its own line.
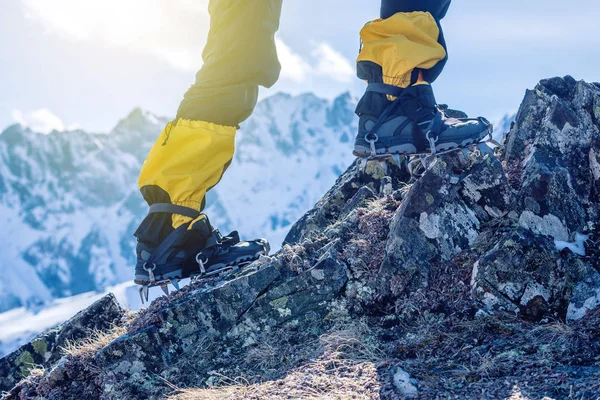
<point x="160" y="254"/>
<point x="214" y="243"/>
<point x="371" y="137"/>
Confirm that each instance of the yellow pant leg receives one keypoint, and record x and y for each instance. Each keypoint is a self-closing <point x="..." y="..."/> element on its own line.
<point x="239" y="56"/>
<point x="193" y="152"/>
<point x="394" y="47"/>
<point x="187" y="160"/>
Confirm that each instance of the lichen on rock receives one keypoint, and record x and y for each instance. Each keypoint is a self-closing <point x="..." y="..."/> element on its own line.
<point x="433" y="282"/>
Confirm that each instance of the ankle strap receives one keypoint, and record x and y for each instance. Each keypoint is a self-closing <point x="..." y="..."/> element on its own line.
<point x="174" y="209"/>
<point x="385" y="89"/>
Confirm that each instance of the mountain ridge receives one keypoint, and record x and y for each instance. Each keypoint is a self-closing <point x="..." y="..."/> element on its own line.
<point x="72" y="196"/>
<point x="457" y="284"/>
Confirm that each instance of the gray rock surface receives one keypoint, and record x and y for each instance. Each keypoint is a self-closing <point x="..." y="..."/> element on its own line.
<point x="552" y="158"/>
<point x="433" y="225"/>
<point x="266" y="298"/>
<point x="46" y="349"/>
<point x="524" y="274"/>
<point x="551" y="162"/>
<point x="384" y="247"/>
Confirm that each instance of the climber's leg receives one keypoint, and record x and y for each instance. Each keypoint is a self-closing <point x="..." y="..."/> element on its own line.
<point x="239" y="56"/>
<point x="194" y="150"/>
<point x="402" y="54"/>
<point x="437" y="8"/>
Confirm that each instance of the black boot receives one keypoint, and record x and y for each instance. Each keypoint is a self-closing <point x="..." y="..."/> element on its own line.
<point x="194" y="248"/>
<point x="411" y="124"/>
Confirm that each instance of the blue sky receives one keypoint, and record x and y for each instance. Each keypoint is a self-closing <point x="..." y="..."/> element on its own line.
<point x="73" y="63"/>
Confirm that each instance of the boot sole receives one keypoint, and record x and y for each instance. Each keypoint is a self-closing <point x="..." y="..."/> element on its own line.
<point x="143" y="279"/>
<point x="214" y="269"/>
<point x="220" y="268"/>
<point x="410" y="150"/>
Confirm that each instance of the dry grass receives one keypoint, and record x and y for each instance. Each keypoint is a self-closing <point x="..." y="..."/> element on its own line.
<point x="555" y="337"/>
<point x="404" y="188"/>
<point x="326" y="378"/>
<point x="355" y="341"/>
<point x="264" y="356"/>
<point x="346" y="369"/>
<point x="294" y="257"/>
<point x="37" y="371"/>
<point x="301" y="257"/>
<point x="94" y="342"/>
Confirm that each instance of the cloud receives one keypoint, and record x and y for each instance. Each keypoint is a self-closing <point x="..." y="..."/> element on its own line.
<point x="332" y="64"/>
<point x="42" y="121"/>
<point x="326" y="62"/>
<point x="293" y="66"/>
<point x="174" y="31"/>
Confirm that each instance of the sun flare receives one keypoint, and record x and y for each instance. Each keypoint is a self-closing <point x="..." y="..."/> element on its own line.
<point x="174" y="30"/>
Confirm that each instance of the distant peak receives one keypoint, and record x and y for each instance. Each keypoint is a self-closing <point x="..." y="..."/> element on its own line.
<point x="139" y="119"/>
<point x="346" y="95"/>
<point x="138" y="114"/>
<point x="279" y="95"/>
<point x="14" y="128"/>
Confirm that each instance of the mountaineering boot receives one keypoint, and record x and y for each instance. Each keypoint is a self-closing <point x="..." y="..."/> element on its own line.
<point x="229" y="251"/>
<point x="193" y="249"/>
<point x="411" y="123"/>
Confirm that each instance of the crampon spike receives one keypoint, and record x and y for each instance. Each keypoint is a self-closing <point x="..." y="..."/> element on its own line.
<point x="175" y="283"/>
<point x="144" y="291"/>
<point x="362" y="164"/>
<point x="165" y="288"/>
<point x="463" y="157"/>
<point x="424" y="161"/>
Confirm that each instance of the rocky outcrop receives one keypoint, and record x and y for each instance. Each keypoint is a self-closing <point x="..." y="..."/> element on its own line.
<point x="266" y="298"/>
<point x="47" y="348"/>
<point x="552" y="162"/>
<point x="505" y="234"/>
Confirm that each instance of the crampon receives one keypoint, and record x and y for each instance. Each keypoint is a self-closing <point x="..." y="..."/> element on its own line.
<point x="220" y="257"/>
<point x="417" y="163"/>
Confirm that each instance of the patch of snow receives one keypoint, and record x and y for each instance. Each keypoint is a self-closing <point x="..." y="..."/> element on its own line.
<point x="577" y="247"/>
<point x="404" y="383"/>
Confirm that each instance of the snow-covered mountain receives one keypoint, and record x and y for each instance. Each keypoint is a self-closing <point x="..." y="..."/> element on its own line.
<point x="69" y="201"/>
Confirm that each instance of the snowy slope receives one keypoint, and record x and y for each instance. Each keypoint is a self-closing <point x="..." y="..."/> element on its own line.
<point x="19" y="325"/>
<point x="69" y="201"/>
